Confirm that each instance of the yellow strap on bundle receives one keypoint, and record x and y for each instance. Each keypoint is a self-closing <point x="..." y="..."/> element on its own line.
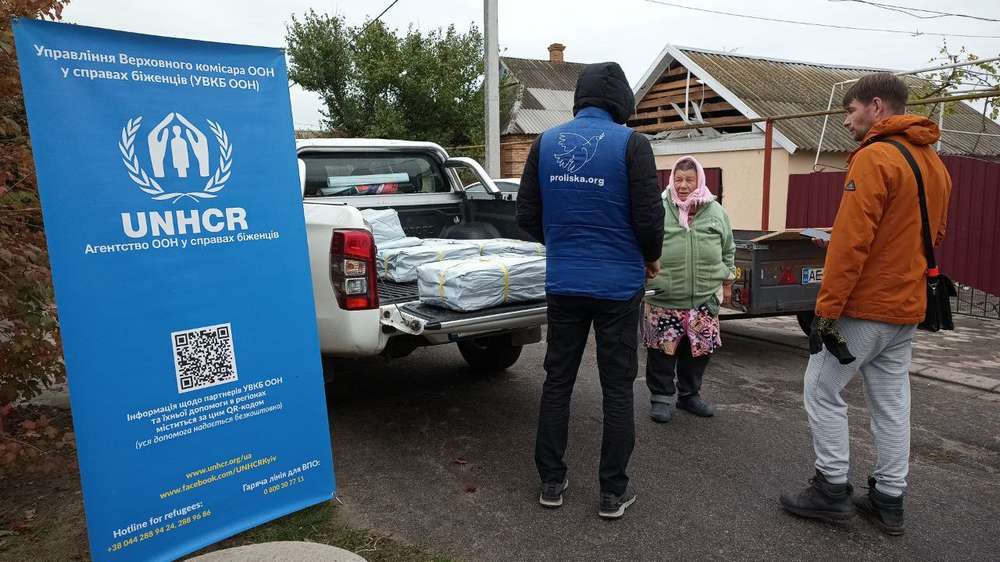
<point x="441" y="284"/>
<point x="441" y="280"/>
<point x="506" y="277"/>
<point x="506" y="282"/>
<point x="503" y="268"/>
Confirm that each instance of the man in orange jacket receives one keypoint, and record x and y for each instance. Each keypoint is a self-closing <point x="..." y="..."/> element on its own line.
<point x="872" y="298"/>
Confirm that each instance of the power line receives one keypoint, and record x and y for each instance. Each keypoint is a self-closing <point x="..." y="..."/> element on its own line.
<point x="369" y="24"/>
<point x="816" y="24"/>
<point x="933" y="14"/>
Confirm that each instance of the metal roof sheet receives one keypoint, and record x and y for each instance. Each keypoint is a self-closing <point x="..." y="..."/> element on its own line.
<point x="533" y="73"/>
<point x="553" y="100"/>
<point x="546" y="96"/>
<point x="536" y="121"/>
<point x="775" y="87"/>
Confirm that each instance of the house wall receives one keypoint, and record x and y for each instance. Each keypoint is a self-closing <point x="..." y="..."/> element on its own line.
<point x="743" y="181"/>
<point x="513" y="154"/>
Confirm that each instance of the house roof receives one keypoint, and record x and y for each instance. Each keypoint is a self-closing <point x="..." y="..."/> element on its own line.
<point x="546" y="94"/>
<point x="760" y="87"/>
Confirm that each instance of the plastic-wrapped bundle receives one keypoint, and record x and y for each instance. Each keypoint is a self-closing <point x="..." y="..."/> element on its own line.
<point x="385" y="225"/>
<point x="400" y="243"/>
<point x="400" y="264"/>
<point x="475" y="284"/>
<point x="498" y="246"/>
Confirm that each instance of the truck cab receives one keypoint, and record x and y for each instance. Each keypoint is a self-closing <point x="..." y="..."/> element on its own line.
<point x="359" y="314"/>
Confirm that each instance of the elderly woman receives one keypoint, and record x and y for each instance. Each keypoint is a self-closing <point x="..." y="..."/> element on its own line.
<point x="681" y="322"/>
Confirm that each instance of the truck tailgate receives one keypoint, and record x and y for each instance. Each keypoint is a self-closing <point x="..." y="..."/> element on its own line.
<point x="401" y="309"/>
<point x="440" y="319"/>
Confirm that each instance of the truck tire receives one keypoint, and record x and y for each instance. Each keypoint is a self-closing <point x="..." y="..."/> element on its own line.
<point x="489" y="354"/>
<point x="805" y="321"/>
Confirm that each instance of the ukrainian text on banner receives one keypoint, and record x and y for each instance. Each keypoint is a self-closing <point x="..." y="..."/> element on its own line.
<point x="175" y="229"/>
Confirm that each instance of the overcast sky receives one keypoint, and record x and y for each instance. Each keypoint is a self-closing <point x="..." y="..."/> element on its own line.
<point x="632" y="32"/>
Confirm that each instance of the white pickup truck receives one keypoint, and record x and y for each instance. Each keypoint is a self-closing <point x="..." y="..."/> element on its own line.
<point x="360" y="315"/>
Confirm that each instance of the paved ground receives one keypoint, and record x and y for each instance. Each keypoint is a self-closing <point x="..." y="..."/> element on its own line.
<point x="969" y="355"/>
<point x="443" y="458"/>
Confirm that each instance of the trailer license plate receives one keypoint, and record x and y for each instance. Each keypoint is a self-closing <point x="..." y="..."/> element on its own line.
<point x="812" y="275"/>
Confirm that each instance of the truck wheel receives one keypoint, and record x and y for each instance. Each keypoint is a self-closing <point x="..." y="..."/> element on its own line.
<point x="489" y="354"/>
<point x="805" y="321"/>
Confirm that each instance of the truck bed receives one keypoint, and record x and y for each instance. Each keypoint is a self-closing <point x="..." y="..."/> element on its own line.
<point x="405" y="296"/>
<point x="390" y="292"/>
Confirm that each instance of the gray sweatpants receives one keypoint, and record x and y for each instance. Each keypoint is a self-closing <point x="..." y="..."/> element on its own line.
<point x="883" y="353"/>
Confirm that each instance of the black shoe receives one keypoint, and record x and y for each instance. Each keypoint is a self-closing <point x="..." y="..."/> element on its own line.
<point x="661" y="412"/>
<point x="613" y="506"/>
<point x="821" y="500"/>
<point x="885" y="511"/>
<point x="696" y="406"/>
<point x="552" y="494"/>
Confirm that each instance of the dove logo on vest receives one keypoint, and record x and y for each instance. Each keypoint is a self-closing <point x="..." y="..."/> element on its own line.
<point x="180" y="156"/>
<point x="577" y="152"/>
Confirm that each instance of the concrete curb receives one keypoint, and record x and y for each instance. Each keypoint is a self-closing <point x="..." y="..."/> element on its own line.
<point x="977" y="382"/>
<point x="285" y="551"/>
<point x="939" y="374"/>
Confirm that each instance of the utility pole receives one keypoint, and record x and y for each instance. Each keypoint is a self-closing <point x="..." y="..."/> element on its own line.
<point x="491" y="87"/>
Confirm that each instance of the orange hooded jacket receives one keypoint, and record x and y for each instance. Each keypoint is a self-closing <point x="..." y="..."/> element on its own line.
<point x="875" y="265"/>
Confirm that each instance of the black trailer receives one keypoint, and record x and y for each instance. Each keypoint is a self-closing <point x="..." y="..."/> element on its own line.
<point x="777" y="274"/>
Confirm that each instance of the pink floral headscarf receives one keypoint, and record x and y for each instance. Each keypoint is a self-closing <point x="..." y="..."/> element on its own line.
<point x="700" y="196"/>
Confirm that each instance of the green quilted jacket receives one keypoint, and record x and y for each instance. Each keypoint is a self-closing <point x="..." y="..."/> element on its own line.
<point x="695" y="262"/>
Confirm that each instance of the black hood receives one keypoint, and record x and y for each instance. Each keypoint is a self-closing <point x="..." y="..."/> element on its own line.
<point x="604" y="85"/>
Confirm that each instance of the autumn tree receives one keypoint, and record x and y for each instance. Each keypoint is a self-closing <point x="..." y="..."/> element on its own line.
<point x="30" y="347"/>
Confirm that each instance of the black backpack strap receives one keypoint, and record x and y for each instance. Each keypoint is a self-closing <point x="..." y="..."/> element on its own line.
<point x="932" y="270"/>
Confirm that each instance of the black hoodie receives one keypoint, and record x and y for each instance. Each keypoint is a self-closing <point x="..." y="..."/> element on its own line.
<point x="605" y="86"/>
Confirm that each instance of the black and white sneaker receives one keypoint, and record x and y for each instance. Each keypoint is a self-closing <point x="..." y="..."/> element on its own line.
<point x="552" y="494"/>
<point x="614" y="506"/>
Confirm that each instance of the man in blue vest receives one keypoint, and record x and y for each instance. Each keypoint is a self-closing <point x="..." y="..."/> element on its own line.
<point x="589" y="192"/>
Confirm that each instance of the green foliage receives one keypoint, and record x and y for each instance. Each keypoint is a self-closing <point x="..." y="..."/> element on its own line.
<point x="378" y="82"/>
<point x="979" y="76"/>
<point x="30" y="350"/>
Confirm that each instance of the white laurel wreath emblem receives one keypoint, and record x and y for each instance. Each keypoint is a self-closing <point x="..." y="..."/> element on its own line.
<point x="150" y="186"/>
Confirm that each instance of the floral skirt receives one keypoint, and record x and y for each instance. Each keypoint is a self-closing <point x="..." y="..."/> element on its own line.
<point x="664" y="328"/>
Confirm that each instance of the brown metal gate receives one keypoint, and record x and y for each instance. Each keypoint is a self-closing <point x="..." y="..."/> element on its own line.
<point x="971" y="249"/>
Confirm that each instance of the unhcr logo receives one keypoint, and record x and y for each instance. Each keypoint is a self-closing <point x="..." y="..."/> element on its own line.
<point x="181" y="139"/>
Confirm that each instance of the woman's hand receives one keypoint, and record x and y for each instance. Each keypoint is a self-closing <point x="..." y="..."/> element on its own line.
<point x="727" y="294"/>
<point x="652" y="269"/>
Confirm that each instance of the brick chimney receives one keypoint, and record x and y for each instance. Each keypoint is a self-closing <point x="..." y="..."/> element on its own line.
<point x="556" y="52"/>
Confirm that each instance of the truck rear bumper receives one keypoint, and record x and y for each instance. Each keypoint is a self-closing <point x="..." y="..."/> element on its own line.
<point x="422" y="320"/>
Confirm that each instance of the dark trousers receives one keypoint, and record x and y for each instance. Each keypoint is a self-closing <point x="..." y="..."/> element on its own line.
<point x="661" y="369"/>
<point x="616" y="327"/>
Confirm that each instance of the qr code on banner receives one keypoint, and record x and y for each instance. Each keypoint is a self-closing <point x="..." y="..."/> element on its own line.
<point x="204" y="357"/>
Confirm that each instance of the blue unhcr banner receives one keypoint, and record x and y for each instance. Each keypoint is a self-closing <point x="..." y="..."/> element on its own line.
<point x="171" y="200"/>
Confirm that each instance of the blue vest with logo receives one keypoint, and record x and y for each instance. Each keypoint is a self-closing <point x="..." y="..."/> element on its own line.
<point x="590" y="245"/>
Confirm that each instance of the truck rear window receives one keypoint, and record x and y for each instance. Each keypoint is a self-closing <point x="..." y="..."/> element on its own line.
<point x="357" y="173"/>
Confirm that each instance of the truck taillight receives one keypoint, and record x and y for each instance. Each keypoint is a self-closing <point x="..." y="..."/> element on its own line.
<point x="352" y="269"/>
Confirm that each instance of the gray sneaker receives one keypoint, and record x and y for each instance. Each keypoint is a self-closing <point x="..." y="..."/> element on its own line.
<point x="697" y="406"/>
<point x="613" y="506"/>
<point x="552" y="494"/>
<point x="661" y="412"/>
